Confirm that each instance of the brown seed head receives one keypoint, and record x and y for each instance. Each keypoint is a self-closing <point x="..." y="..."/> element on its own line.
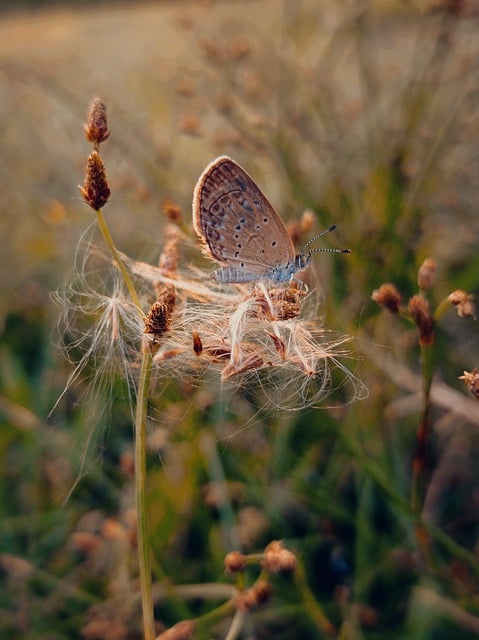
<point x="246" y="361"/>
<point x="197" y="343"/>
<point x="283" y="304"/>
<point x="277" y="558"/>
<point x="96" y="129"/>
<point x="168" y="262"/>
<point x="279" y="344"/>
<point x="251" y="598"/>
<point x="239" y="48"/>
<point x="190" y="125"/>
<point x="95" y="190"/>
<point x="158" y="319"/>
<point x="184" y="630"/>
<point x="172" y="211"/>
<point x="234" y="562"/>
<point x="464" y="303"/>
<point x="471" y="380"/>
<point x="418" y="307"/>
<point x="112" y="529"/>
<point x="388" y="296"/>
<point x="86" y="543"/>
<point x="426" y="276"/>
<point x="15" y="566"/>
<point x="307" y="221"/>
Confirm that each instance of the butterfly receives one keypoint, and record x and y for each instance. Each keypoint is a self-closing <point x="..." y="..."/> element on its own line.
<point x="240" y="229"/>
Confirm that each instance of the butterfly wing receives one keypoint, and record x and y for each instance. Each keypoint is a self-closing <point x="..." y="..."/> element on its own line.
<point x="235" y="221"/>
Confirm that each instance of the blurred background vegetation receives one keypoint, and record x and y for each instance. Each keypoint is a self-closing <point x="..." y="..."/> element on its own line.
<point x="365" y="112"/>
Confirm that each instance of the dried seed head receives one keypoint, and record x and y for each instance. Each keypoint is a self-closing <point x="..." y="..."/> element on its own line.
<point x="95" y="190"/>
<point x="419" y="309"/>
<point x="307" y="221"/>
<point x="464" y="303"/>
<point x="239" y="48"/>
<point x="426" y="276"/>
<point x="280" y="303"/>
<point x="256" y="595"/>
<point x="15" y="566"/>
<point x="158" y="319"/>
<point x="279" y="344"/>
<point x="172" y="211"/>
<point x="168" y="262"/>
<point x="471" y="380"/>
<point x="277" y="558"/>
<point x="167" y="354"/>
<point x="96" y="129"/>
<point x="234" y="562"/>
<point x="244" y="360"/>
<point x="197" y="343"/>
<point x="190" y="125"/>
<point x="299" y="229"/>
<point x="184" y="630"/>
<point x="88" y="544"/>
<point x="388" y="296"/>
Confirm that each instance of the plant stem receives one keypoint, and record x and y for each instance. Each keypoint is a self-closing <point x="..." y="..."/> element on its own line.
<point x="144" y="559"/>
<point x="120" y="264"/>
<point x="419" y="462"/>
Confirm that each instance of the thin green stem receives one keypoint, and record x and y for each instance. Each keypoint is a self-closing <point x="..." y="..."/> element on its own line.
<point x="121" y="265"/>
<point x="313" y="608"/>
<point x="144" y="558"/>
<point x="419" y="463"/>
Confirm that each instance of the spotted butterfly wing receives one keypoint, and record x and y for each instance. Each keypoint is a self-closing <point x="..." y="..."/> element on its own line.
<point x="239" y="227"/>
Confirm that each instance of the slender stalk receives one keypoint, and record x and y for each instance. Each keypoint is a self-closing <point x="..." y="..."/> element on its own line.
<point x="419" y="463"/>
<point x="116" y="256"/>
<point x="313" y="608"/>
<point x="144" y="559"/>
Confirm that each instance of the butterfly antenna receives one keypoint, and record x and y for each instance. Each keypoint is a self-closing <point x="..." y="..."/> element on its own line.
<point x="324" y="249"/>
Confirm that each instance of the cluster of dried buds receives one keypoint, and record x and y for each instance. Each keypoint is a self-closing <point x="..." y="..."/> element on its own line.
<point x="95" y="190"/>
<point x="418" y="309"/>
<point x="275" y="558"/>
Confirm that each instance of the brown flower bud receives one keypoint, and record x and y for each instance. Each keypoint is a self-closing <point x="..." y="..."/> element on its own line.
<point x="172" y="211"/>
<point x="471" y="380"/>
<point x="388" y="296"/>
<point x="168" y="262"/>
<point x="96" y="129"/>
<point x="464" y="303"/>
<point x="307" y="221"/>
<point x="251" y="598"/>
<point x="419" y="309"/>
<point x="426" y="275"/>
<point x="234" y="562"/>
<point x="95" y="190"/>
<point x="183" y="630"/>
<point x="197" y="343"/>
<point x="277" y="558"/>
<point x="158" y="319"/>
<point x="282" y="304"/>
